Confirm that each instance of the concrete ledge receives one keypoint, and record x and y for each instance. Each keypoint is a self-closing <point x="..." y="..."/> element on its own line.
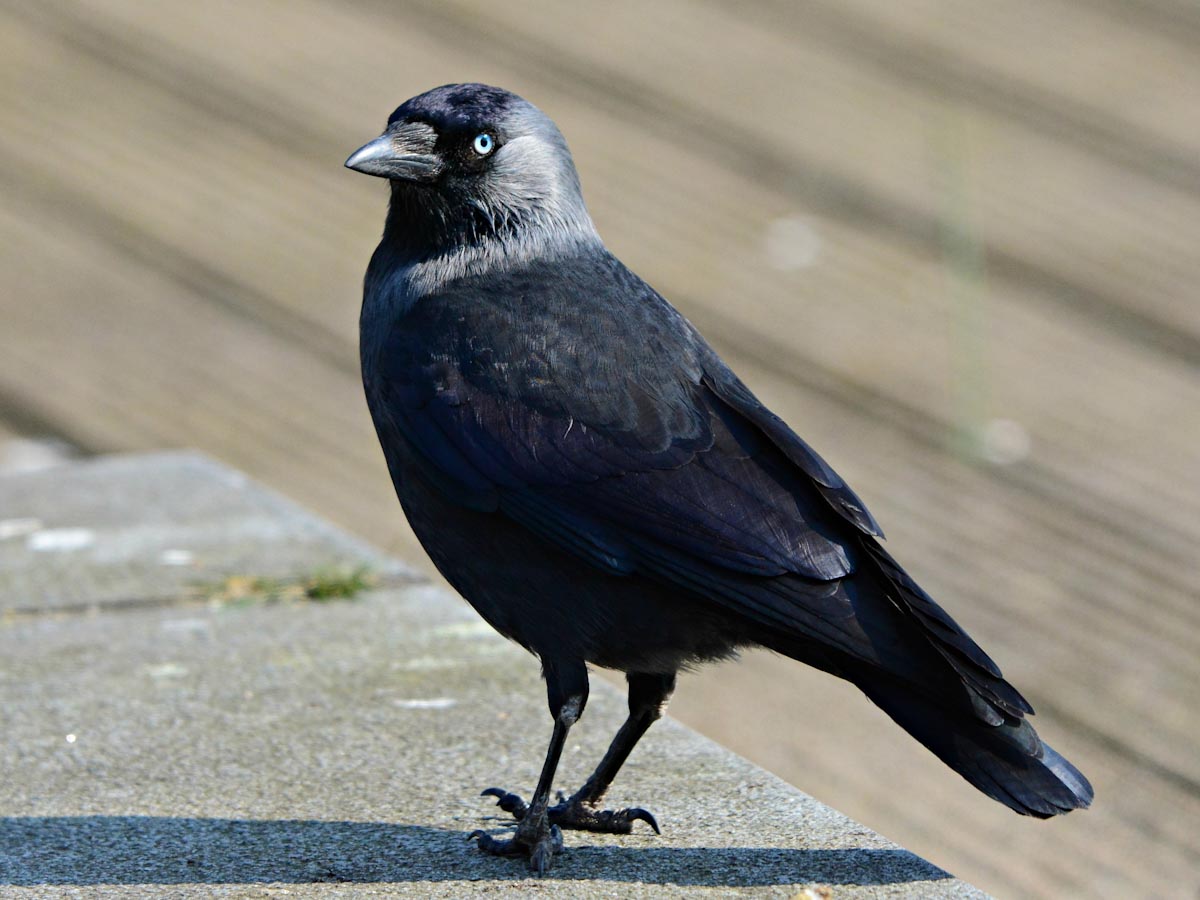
<point x="161" y="740"/>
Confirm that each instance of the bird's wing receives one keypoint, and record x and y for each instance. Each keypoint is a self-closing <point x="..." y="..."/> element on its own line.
<point x="722" y="382"/>
<point x="600" y="449"/>
<point x="645" y="453"/>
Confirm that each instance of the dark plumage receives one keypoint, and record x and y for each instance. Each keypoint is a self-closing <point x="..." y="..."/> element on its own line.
<point x="581" y="465"/>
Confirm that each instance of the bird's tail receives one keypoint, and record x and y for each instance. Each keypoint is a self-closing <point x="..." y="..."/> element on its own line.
<point x="1008" y="761"/>
<point x="935" y="682"/>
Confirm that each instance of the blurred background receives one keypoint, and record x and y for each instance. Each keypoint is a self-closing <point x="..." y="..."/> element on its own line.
<point x="955" y="244"/>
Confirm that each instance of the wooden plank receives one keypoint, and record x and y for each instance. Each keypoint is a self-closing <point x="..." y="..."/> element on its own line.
<point x="1082" y="74"/>
<point x="1097" y="236"/>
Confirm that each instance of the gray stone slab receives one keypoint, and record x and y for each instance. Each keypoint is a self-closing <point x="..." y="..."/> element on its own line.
<point x="131" y="530"/>
<point x="338" y="748"/>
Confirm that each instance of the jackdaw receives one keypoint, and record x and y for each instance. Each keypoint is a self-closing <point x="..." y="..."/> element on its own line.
<point x="588" y="473"/>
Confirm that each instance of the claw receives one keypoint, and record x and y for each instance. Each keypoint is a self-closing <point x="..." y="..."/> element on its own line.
<point x="496" y="847"/>
<point x="575" y="813"/>
<point x="510" y="803"/>
<point x="539" y="847"/>
<point x="645" y="815"/>
<point x="544" y="850"/>
<point x="489" y="844"/>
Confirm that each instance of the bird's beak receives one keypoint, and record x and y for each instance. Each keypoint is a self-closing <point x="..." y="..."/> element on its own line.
<point x="403" y="151"/>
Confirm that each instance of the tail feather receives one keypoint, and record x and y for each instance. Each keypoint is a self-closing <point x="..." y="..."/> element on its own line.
<point x="1008" y="762"/>
<point x="946" y="636"/>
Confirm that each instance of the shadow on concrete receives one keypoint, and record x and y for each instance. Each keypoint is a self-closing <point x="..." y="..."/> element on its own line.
<point x="93" y="850"/>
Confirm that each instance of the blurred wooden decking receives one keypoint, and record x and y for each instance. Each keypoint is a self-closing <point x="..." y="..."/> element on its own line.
<point x="956" y="245"/>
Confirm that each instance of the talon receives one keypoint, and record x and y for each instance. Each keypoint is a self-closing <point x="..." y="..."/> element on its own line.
<point x="645" y="815"/>
<point x="535" y="839"/>
<point x="544" y="850"/>
<point x="489" y="844"/>
<point x="510" y="803"/>
<point x="583" y="816"/>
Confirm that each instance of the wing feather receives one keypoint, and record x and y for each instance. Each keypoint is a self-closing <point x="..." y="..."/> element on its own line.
<point x="653" y="458"/>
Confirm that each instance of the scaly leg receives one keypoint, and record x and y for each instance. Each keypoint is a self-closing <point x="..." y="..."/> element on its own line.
<point x="536" y="836"/>
<point x="648" y="695"/>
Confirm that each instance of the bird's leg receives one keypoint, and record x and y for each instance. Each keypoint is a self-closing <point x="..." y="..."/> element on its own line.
<point x="648" y="695"/>
<point x="537" y="837"/>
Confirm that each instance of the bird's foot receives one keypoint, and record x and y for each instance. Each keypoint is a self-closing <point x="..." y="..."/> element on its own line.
<point x="536" y="838"/>
<point x="577" y="814"/>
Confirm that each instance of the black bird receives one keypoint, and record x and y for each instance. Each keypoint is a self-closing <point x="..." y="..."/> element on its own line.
<point x="585" y="470"/>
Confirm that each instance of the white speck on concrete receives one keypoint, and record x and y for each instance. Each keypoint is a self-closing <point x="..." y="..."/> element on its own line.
<point x="466" y="630"/>
<point x="431" y="703"/>
<point x="187" y="626"/>
<point x="166" y="670"/>
<point x="426" y="664"/>
<point x="177" y="557"/>
<point x="71" y="738"/>
<point x="59" y="539"/>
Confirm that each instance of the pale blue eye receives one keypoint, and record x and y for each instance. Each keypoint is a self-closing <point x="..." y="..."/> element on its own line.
<point x="484" y="144"/>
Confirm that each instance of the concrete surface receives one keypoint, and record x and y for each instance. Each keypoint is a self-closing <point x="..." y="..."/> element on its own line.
<point x="158" y="743"/>
<point x="137" y="532"/>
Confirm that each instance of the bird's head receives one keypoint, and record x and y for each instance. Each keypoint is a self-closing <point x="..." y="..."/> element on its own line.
<point x="470" y="164"/>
